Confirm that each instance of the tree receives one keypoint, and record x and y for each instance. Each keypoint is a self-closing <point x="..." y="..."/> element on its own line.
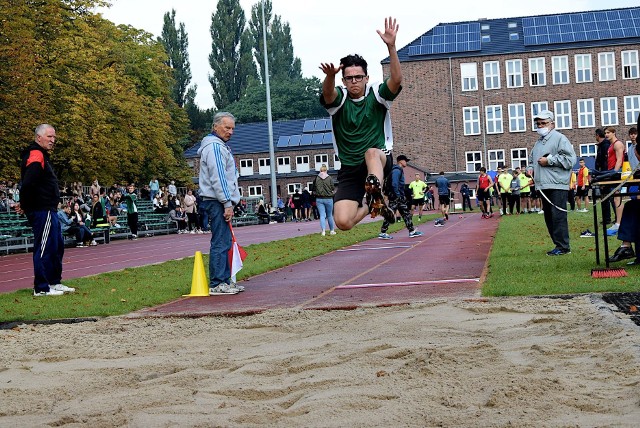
<point x="200" y="119"/>
<point x="290" y="99"/>
<point x="176" y="44"/>
<point x="230" y="57"/>
<point x="282" y="62"/>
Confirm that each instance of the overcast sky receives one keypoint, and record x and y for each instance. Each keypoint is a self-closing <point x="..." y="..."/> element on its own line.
<point x="326" y="30"/>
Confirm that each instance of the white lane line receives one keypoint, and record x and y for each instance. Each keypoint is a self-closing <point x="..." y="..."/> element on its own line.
<point x="373" y="248"/>
<point x="403" y="284"/>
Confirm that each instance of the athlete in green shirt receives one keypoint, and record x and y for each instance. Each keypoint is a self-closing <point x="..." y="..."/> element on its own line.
<point x="362" y="131"/>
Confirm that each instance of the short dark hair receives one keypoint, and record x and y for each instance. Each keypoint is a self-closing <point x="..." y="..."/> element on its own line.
<point x="633" y="130"/>
<point x="599" y="133"/>
<point x="353" y="60"/>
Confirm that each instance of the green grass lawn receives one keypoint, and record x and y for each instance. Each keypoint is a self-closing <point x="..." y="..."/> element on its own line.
<point x="517" y="265"/>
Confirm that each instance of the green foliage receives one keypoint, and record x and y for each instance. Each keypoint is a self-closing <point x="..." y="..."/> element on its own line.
<point x="176" y="44"/>
<point x="106" y="90"/>
<point x="230" y="58"/>
<point x="282" y="63"/>
<point x="290" y="99"/>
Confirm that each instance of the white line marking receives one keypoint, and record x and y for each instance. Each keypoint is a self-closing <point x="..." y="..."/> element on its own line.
<point x="403" y="284"/>
<point x="374" y="248"/>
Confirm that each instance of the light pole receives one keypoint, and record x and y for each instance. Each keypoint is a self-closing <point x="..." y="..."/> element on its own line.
<point x="272" y="156"/>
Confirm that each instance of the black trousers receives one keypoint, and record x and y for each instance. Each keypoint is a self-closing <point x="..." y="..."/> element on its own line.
<point x="555" y="219"/>
<point x="399" y="204"/>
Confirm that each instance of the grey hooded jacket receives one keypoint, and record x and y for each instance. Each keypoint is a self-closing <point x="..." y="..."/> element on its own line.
<point x="561" y="158"/>
<point x="218" y="174"/>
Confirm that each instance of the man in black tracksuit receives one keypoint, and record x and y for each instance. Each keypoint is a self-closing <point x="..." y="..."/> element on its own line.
<point x="39" y="198"/>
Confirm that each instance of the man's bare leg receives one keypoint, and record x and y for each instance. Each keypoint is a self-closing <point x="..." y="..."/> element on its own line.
<point x="347" y="214"/>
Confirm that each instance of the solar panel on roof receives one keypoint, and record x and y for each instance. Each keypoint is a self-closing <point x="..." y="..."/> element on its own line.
<point x="449" y="38"/>
<point x="294" y="140"/>
<point x="582" y="26"/>
<point x="328" y="138"/>
<point x="283" y="142"/>
<point x="309" y="125"/>
<point x="317" y="138"/>
<point x="306" y="140"/>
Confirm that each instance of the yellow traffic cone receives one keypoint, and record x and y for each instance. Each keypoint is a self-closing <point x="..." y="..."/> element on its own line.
<point x="199" y="286"/>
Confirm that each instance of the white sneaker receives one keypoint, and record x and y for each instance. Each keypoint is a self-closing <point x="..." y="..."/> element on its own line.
<point x="333" y="232"/>
<point x="384" y="236"/>
<point x="93" y="243"/>
<point x="200" y="232"/>
<point x="540" y="212"/>
<point x="63" y="288"/>
<point x="192" y="232"/>
<point x="51" y="292"/>
<point x="222" y="289"/>
<point x="323" y="233"/>
<point x="235" y="286"/>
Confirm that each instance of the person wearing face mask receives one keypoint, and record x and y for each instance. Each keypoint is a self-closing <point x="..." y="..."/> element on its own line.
<point x="552" y="158"/>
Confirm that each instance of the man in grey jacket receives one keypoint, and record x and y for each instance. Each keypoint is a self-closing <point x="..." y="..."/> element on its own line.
<point x="552" y="158"/>
<point x="219" y="191"/>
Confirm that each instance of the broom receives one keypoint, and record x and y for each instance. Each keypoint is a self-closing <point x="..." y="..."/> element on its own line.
<point x="608" y="273"/>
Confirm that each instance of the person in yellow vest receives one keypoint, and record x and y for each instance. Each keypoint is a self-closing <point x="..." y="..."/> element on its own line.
<point x="582" y="187"/>
<point x="504" y="184"/>
<point x="572" y="192"/>
<point x="525" y="189"/>
<point x="418" y="187"/>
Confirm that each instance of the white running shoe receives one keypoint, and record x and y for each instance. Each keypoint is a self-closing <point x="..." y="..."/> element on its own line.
<point x="63" y="288"/>
<point x="223" y="289"/>
<point x="51" y="292"/>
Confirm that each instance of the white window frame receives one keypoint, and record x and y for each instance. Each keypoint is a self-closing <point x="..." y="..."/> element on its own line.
<point x="631" y="109"/>
<point x="629" y="64"/>
<point x="320" y="159"/>
<point x="491" y="70"/>
<point x="493" y="119"/>
<point x="517" y="118"/>
<point x="606" y="66"/>
<point x="254" y="190"/>
<point x="473" y="160"/>
<point x="469" y="76"/>
<point x="284" y="165"/>
<point x="562" y="113"/>
<point x="302" y="163"/>
<point x="336" y="162"/>
<point x="246" y="167"/>
<point x="496" y="159"/>
<point x="291" y="188"/>
<point x="588" y="150"/>
<point x="585" y="108"/>
<point x="519" y="157"/>
<point x="471" y="120"/>
<point x="537" y="72"/>
<point x="609" y="111"/>
<point x="264" y="166"/>
<point x="513" y="70"/>
<point x="583" y="68"/>
<point x="536" y="107"/>
<point x="560" y="69"/>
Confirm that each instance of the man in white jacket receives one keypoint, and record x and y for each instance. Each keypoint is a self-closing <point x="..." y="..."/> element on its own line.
<point x="219" y="190"/>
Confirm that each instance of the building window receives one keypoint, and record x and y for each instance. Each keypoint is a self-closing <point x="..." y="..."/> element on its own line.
<point x="493" y="119"/>
<point x="292" y="187"/>
<point x="514" y="36"/>
<point x="336" y="162"/>
<point x="517" y="120"/>
<point x="519" y="158"/>
<point x="486" y="38"/>
<point x="584" y="72"/>
<point x="512" y="25"/>
<point x="629" y="64"/>
<point x="471" y="119"/>
<point x="537" y="76"/>
<point x="535" y="109"/>
<point x="491" y="75"/>
<point x="255" y="190"/>
<point x="246" y="167"/>
<point x="284" y="165"/>
<point x="631" y="109"/>
<point x="609" y="111"/>
<point x="485" y="27"/>
<point x="321" y="160"/>
<point x="469" y="75"/>
<point x="474" y="161"/>
<point x="586" y="114"/>
<point x="606" y="66"/>
<point x="588" y="150"/>
<point x="496" y="159"/>
<point x="560" y="70"/>
<point x="302" y="163"/>
<point x="264" y="166"/>
<point x="514" y="73"/>
<point x="562" y="110"/>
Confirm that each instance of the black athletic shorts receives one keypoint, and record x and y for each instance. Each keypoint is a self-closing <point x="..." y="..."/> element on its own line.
<point x="351" y="181"/>
<point x="483" y="195"/>
<point x="582" y="193"/>
<point x="444" y="199"/>
<point x="417" y="202"/>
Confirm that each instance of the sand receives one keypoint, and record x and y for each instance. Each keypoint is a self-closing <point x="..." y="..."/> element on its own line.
<point x="502" y="362"/>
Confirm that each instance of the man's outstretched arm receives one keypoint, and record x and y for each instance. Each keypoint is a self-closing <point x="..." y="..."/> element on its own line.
<point x="389" y="38"/>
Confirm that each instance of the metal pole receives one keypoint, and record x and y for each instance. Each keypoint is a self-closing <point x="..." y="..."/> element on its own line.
<point x="272" y="156"/>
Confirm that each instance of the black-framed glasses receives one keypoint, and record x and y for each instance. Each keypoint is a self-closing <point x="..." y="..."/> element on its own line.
<point x="542" y="123"/>
<point x="356" y="79"/>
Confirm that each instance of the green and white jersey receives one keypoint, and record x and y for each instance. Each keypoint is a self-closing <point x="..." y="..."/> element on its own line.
<point x="360" y="124"/>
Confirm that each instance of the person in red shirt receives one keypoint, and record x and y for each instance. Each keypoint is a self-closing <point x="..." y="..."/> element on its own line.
<point x="615" y="157"/>
<point x="582" y="187"/>
<point x="484" y="195"/>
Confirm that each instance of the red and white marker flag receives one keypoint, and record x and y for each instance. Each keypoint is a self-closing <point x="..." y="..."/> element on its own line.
<point x="237" y="254"/>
